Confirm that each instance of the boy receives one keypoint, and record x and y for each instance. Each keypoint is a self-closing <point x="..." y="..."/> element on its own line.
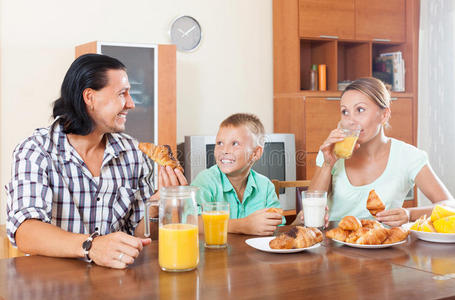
<point x="239" y="144"/>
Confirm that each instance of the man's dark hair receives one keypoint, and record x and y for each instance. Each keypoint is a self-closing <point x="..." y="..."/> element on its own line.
<point x="87" y="71"/>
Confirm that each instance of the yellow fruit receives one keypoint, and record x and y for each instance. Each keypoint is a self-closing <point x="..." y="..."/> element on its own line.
<point x="445" y="225"/>
<point x="427" y="226"/>
<point x="441" y="211"/>
<point x="418" y="223"/>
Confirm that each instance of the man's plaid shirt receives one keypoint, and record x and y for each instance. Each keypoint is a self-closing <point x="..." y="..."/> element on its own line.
<point x="50" y="182"/>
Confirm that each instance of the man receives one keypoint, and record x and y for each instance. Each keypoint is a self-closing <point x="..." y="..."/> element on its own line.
<point x="78" y="187"/>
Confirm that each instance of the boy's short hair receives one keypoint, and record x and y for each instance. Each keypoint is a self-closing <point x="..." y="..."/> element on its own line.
<point x="251" y="121"/>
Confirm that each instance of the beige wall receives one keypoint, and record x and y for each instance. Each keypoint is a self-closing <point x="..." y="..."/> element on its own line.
<point x="230" y="72"/>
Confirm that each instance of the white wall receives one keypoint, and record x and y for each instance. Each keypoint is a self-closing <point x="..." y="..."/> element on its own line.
<point x="437" y="88"/>
<point x="232" y="70"/>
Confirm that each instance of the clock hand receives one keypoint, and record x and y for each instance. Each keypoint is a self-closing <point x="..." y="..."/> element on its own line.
<point x="191" y="29"/>
<point x="180" y="30"/>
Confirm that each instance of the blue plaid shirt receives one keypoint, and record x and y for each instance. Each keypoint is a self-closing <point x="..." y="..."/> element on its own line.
<point x="51" y="182"/>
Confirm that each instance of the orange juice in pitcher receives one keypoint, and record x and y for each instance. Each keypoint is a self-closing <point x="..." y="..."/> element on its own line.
<point x="178" y="236"/>
<point x="178" y="247"/>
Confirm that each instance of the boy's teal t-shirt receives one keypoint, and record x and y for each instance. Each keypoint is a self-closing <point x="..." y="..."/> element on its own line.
<point x="215" y="186"/>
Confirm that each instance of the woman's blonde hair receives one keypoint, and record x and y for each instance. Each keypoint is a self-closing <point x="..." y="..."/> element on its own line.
<point x="373" y="88"/>
<point x="251" y="121"/>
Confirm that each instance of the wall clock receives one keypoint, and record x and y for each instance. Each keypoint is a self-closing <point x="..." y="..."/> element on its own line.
<point x="186" y="33"/>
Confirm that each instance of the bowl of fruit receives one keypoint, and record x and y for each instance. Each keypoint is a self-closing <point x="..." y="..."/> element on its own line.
<point x="438" y="228"/>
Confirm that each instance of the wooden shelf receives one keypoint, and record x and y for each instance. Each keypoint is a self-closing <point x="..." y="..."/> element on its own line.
<point x="333" y="94"/>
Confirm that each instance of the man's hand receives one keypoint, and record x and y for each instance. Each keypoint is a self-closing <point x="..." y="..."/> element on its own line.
<point x="394" y="217"/>
<point x="116" y="250"/>
<point x="262" y="223"/>
<point x="170" y="177"/>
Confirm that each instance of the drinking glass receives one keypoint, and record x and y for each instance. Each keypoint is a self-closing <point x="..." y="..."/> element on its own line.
<point x="345" y="148"/>
<point x="215" y="216"/>
<point x="314" y="203"/>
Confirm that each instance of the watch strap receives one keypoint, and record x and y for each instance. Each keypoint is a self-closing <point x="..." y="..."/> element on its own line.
<point x="87" y="245"/>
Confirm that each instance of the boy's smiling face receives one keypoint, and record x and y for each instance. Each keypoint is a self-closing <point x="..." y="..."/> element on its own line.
<point x="235" y="150"/>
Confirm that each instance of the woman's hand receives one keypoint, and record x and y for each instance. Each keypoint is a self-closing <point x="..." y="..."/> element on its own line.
<point x="335" y="136"/>
<point x="393" y="217"/>
<point x="299" y="219"/>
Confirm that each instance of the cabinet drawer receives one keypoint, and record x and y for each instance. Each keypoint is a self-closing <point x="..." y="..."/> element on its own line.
<point x="401" y="120"/>
<point x="333" y="18"/>
<point x="321" y="117"/>
<point x="380" y="20"/>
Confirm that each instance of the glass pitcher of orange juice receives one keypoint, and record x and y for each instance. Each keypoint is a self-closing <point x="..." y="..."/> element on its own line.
<point x="178" y="236"/>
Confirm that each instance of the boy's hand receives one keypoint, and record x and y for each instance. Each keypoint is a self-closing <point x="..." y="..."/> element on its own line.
<point x="262" y="223"/>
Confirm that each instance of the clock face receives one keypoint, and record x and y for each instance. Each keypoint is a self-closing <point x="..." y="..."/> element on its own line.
<point x="186" y="33"/>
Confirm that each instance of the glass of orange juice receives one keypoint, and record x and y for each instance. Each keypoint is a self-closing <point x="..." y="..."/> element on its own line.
<point x="345" y="148"/>
<point x="215" y="216"/>
<point x="178" y="236"/>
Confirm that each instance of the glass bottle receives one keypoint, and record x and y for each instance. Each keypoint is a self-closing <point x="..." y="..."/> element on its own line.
<point x="313" y="78"/>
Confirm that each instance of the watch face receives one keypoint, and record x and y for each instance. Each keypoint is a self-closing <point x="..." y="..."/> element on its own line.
<point x="186" y="33"/>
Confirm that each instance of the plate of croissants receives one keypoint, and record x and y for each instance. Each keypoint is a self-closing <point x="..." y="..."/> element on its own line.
<point x="296" y="239"/>
<point x="366" y="233"/>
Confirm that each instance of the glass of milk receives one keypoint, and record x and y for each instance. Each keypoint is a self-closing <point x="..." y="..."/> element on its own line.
<point x="314" y="203"/>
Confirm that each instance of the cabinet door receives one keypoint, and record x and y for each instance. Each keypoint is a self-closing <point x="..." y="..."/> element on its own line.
<point x="288" y="117"/>
<point x="310" y="164"/>
<point x="321" y="117"/>
<point x="380" y="20"/>
<point x="327" y="18"/>
<point x="401" y="120"/>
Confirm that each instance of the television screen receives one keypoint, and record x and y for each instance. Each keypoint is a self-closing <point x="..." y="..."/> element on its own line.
<point x="272" y="163"/>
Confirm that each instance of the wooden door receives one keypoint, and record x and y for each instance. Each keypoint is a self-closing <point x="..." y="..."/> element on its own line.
<point x="380" y="20"/>
<point x="327" y="18"/>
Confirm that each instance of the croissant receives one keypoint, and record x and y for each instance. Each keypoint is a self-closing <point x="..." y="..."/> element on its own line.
<point x="283" y="241"/>
<point x="338" y="234"/>
<point x="350" y="223"/>
<point x="370" y="224"/>
<point x="373" y="237"/>
<point x="396" y="234"/>
<point x="296" y="237"/>
<point x="161" y="154"/>
<point x="318" y="234"/>
<point x="374" y="203"/>
<point x="275" y="210"/>
<point x="355" y="235"/>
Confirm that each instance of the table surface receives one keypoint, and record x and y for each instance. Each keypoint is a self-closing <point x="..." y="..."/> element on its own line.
<point x="411" y="270"/>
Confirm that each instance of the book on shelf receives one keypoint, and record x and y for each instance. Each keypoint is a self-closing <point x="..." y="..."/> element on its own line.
<point x="390" y="68"/>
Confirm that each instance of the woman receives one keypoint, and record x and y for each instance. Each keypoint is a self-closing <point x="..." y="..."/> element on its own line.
<point x="389" y="166"/>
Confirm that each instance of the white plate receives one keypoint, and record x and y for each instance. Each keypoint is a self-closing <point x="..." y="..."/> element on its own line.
<point x="432" y="236"/>
<point x="371" y="246"/>
<point x="262" y="244"/>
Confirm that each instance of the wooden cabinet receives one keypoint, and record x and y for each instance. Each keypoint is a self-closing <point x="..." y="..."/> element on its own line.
<point x="327" y="18"/>
<point x="321" y="117"/>
<point x="400" y="121"/>
<point x="346" y="35"/>
<point x="152" y="74"/>
<point x="380" y="20"/>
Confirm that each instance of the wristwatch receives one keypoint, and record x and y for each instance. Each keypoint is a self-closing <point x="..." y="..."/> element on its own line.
<point x="87" y="245"/>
